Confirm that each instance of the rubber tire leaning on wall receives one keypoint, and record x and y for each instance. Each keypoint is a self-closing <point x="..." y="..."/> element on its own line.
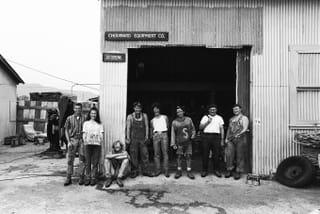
<point x="295" y="171"/>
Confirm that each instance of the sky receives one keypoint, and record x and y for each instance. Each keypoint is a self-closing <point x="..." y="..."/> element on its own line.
<point x="60" y="37"/>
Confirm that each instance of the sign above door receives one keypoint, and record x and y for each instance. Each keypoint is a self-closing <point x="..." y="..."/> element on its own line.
<point x="113" y="57"/>
<point x="118" y="36"/>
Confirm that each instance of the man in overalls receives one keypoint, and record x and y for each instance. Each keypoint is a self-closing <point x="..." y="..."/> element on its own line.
<point x="73" y="132"/>
<point x="236" y="141"/>
<point x="137" y="137"/>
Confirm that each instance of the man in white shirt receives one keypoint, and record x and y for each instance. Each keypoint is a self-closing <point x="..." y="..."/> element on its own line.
<point x="213" y="134"/>
<point x="159" y="129"/>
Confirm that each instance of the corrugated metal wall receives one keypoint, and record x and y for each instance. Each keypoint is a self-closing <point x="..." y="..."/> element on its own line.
<point x="113" y="99"/>
<point x="284" y="23"/>
<point x="269" y="26"/>
<point x="188" y="22"/>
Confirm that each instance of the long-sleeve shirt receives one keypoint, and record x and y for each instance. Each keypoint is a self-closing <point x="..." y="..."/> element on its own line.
<point x="182" y="131"/>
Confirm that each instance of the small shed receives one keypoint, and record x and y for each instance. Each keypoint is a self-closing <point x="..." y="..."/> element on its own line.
<point x="9" y="80"/>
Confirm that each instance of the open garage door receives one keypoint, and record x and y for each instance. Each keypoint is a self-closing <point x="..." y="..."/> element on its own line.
<point x="189" y="76"/>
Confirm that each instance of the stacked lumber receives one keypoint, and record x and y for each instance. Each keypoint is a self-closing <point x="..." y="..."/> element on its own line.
<point x="308" y="139"/>
<point x="310" y="148"/>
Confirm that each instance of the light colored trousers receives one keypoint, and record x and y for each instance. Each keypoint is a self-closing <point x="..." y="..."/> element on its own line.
<point x="76" y="145"/>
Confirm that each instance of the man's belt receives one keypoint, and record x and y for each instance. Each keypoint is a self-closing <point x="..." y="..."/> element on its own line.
<point x="157" y="132"/>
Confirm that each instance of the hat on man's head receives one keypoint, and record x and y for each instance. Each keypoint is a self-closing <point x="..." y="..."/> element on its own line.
<point x="212" y="105"/>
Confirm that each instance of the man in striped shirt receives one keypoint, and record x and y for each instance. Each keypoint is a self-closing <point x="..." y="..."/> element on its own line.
<point x="73" y="132"/>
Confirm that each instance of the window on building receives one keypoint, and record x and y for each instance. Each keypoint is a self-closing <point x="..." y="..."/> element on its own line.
<point x="304" y="85"/>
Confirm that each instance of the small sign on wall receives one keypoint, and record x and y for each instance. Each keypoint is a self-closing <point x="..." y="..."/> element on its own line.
<point x="118" y="36"/>
<point x="113" y="57"/>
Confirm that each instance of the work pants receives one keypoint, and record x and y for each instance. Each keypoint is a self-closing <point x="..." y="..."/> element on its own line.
<point x="76" y="145"/>
<point x="160" y="143"/>
<point x="92" y="156"/>
<point x="236" y="154"/>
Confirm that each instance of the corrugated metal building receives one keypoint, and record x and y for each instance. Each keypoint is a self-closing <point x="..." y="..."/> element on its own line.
<point x="268" y="51"/>
<point x="9" y="80"/>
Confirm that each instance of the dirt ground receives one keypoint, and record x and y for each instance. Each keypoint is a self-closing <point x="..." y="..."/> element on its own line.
<point x="33" y="184"/>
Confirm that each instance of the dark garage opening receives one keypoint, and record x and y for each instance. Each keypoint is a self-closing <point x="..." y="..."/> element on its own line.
<point x="189" y="76"/>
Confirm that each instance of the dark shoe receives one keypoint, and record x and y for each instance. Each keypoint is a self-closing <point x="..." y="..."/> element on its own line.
<point x="236" y="175"/>
<point x="190" y="175"/>
<point x="87" y="182"/>
<point x="217" y="173"/>
<point x="67" y="182"/>
<point x="166" y="173"/>
<point x="178" y="174"/>
<point x="228" y="174"/>
<point x="133" y="174"/>
<point x="146" y="173"/>
<point x="81" y="181"/>
<point x="93" y="182"/>
<point x="156" y="174"/>
<point x="204" y="173"/>
<point x="108" y="182"/>
<point x="119" y="182"/>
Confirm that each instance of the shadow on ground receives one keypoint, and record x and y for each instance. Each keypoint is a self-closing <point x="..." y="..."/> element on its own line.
<point x="153" y="200"/>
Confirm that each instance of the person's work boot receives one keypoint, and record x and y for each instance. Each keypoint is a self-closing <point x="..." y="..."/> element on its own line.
<point x="133" y="174"/>
<point x="217" y="173"/>
<point x="228" y="174"/>
<point x="81" y="181"/>
<point x="236" y="175"/>
<point x="147" y="173"/>
<point x="204" y="173"/>
<point x="178" y="174"/>
<point x="68" y="181"/>
<point x="166" y="173"/>
<point x="93" y="182"/>
<point x="190" y="175"/>
<point x="108" y="182"/>
<point x="119" y="182"/>
<point x="157" y="173"/>
<point x="87" y="182"/>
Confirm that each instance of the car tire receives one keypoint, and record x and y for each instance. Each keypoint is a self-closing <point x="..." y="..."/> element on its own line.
<point x="295" y="171"/>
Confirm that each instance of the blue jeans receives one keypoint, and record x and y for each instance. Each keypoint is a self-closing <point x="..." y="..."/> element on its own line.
<point x="236" y="154"/>
<point x="75" y="145"/>
<point x="160" y="143"/>
<point x="92" y="156"/>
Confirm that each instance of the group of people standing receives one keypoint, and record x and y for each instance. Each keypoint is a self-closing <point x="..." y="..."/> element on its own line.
<point x="85" y="135"/>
